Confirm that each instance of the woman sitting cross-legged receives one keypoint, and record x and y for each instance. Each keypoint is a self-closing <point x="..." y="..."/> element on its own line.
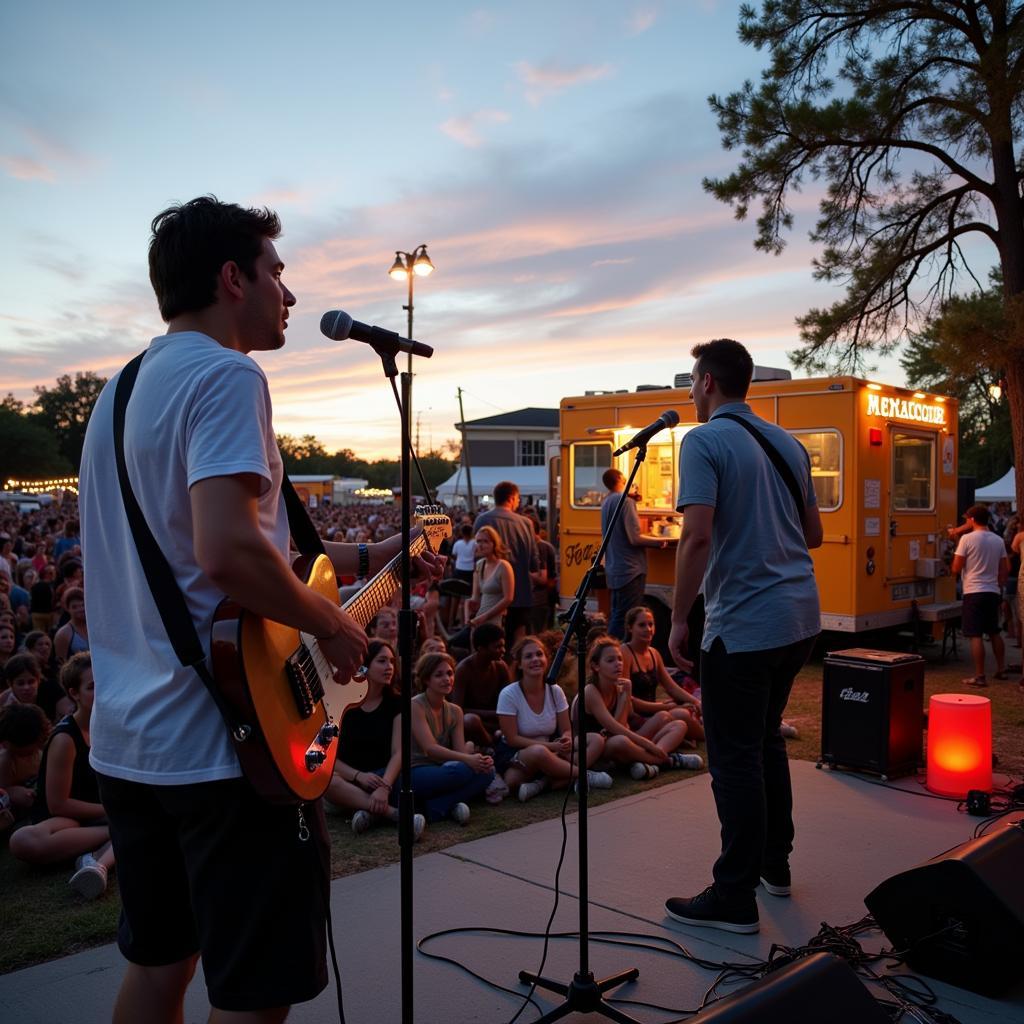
<point x="534" y="750"/>
<point x="446" y="769"/>
<point x="607" y="706"/>
<point x="69" y="820"/>
<point x="646" y="671"/>
<point x="370" y="748"/>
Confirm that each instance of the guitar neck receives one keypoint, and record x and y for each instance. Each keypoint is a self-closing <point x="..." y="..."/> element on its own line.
<point x="379" y="591"/>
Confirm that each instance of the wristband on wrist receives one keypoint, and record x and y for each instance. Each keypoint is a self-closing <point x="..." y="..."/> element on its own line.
<point x="364" y="561"/>
<point x="355" y="778"/>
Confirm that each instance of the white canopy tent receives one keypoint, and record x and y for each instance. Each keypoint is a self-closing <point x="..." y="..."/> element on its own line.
<point x="1004" y="489"/>
<point x="531" y="480"/>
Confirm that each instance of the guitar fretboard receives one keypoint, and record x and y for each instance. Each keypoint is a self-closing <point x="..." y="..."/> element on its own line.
<point x="379" y="591"/>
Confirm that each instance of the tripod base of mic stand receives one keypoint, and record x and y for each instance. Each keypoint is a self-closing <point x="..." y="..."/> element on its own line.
<point x="583" y="995"/>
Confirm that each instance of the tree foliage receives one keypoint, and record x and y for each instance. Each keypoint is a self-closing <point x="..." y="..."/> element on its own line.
<point x="908" y="114"/>
<point x="27" y="450"/>
<point x="64" y="411"/>
<point x="959" y="353"/>
<point x="306" y="455"/>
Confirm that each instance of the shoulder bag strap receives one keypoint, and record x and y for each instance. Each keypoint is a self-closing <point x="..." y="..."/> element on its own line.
<point x="301" y="527"/>
<point x="783" y="467"/>
<point x="167" y="595"/>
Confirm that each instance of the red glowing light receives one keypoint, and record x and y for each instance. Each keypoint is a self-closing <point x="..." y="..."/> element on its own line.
<point x="959" y="744"/>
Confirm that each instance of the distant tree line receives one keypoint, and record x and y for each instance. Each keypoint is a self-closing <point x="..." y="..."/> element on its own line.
<point x="44" y="438"/>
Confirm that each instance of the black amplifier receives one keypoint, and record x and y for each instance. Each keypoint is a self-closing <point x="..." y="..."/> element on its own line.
<point x="872" y="711"/>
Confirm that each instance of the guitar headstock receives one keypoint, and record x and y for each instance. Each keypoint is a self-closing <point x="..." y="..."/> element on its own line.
<point x="436" y="524"/>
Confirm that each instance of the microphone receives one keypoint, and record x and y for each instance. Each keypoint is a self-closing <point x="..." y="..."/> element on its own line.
<point x="669" y="418"/>
<point x="338" y="325"/>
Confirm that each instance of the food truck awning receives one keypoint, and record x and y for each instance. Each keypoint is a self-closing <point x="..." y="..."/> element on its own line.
<point x="1004" y="489"/>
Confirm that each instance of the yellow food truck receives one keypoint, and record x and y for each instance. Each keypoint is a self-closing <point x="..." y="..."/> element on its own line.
<point x="884" y="464"/>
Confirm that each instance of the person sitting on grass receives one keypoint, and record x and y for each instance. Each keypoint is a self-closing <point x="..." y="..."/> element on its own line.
<point x="23" y="733"/>
<point x="22" y="674"/>
<point x="370" y="747"/>
<point x="608" y="705"/>
<point x="536" y="739"/>
<point x="647" y="672"/>
<point x="69" y="821"/>
<point x="446" y="769"/>
<point x="51" y="696"/>
<point x="478" y="681"/>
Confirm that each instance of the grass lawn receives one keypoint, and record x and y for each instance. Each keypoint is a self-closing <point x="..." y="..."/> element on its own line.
<point x="40" y="918"/>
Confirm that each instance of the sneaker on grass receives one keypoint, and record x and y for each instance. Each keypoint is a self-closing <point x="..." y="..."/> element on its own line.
<point x="688" y="762"/>
<point x="361" y="822"/>
<point x="639" y="770"/>
<point x="460" y="813"/>
<point x="595" y="780"/>
<point x="708" y="910"/>
<point x="419" y="824"/>
<point x="528" y="790"/>
<point x="90" y="877"/>
<point x="496" y="791"/>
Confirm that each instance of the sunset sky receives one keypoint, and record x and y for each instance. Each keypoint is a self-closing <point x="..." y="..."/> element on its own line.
<point x="550" y="155"/>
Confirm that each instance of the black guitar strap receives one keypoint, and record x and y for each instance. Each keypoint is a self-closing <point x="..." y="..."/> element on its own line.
<point x="777" y="460"/>
<point x="167" y="595"/>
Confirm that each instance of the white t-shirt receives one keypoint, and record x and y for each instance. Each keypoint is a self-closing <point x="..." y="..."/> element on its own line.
<point x="512" y="701"/>
<point x="198" y="410"/>
<point x="982" y="551"/>
<point x="465" y="554"/>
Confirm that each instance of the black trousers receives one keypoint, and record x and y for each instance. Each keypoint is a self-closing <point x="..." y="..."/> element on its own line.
<point x="743" y="696"/>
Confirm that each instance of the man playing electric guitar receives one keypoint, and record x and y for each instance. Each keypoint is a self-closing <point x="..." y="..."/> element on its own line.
<point x="206" y="867"/>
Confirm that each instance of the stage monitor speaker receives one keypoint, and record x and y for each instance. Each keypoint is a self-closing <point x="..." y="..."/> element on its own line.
<point x="872" y="711"/>
<point x="817" y="988"/>
<point x="960" y="916"/>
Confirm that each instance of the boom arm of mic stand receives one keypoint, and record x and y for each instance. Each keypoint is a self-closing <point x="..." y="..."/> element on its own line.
<point x="391" y="372"/>
<point x="577" y="609"/>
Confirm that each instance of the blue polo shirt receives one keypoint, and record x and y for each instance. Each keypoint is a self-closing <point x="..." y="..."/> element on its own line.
<point x="759" y="589"/>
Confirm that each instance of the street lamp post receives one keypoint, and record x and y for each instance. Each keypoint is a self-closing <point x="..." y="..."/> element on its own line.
<point x="410" y="265"/>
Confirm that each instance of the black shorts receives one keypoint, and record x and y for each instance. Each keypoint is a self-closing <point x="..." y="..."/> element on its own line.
<point x="980" y="614"/>
<point x="212" y="868"/>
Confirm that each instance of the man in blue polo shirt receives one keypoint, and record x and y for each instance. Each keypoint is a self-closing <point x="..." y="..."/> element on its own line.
<point x="747" y="528"/>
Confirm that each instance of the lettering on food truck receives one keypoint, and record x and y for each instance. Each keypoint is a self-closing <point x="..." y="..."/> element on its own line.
<point x="905" y="409"/>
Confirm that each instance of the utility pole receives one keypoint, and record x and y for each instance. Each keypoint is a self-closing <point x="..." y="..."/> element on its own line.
<point x="470" y="503"/>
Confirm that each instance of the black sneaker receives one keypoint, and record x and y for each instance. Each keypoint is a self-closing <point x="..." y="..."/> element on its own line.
<point x="710" y="911"/>
<point x="776" y="881"/>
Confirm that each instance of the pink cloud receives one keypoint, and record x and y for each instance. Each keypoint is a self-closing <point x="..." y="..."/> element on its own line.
<point x="548" y="79"/>
<point x="641" y="20"/>
<point x="24" y="168"/>
<point x="466" y="129"/>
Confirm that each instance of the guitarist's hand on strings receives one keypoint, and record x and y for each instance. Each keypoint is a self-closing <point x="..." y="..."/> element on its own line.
<point x="427" y="565"/>
<point x="345" y="647"/>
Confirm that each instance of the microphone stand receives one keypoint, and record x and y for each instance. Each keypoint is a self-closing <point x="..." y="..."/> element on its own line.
<point x="406" y="634"/>
<point x="585" y="994"/>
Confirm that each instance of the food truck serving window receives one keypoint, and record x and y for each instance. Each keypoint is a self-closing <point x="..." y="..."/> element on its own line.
<point x="913" y="471"/>
<point x="825" y="450"/>
<point x="589" y="461"/>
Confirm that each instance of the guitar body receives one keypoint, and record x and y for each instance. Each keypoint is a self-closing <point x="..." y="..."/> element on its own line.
<point x="250" y="655"/>
<point x="280" y="686"/>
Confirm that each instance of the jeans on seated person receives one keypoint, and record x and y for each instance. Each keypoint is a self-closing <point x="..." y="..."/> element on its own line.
<point x="439" y="787"/>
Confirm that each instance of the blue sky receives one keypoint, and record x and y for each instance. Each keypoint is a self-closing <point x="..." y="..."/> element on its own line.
<point x="550" y="154"/>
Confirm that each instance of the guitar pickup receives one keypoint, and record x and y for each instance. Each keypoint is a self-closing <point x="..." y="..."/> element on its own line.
<point x="307" y="690"/>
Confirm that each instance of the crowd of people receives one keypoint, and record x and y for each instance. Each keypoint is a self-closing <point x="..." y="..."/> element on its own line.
<point x="485" y="725"/>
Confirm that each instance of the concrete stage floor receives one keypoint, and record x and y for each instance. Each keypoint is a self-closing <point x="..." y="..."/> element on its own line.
<point x="851" y="835"/>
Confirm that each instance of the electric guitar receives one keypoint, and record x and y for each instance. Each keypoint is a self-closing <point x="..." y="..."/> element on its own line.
<point x="281" y="686"/>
